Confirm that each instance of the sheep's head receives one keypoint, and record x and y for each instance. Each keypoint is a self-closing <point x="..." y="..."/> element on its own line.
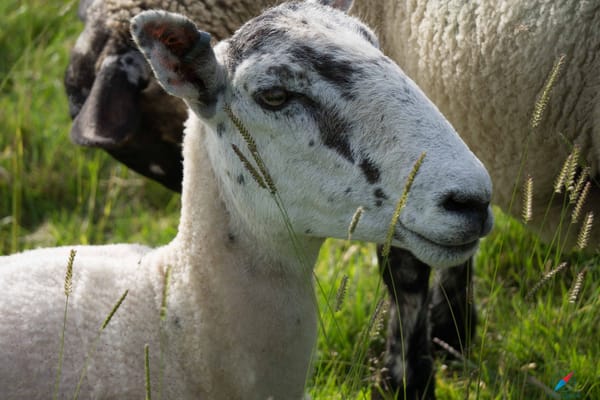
<point x="338" y="125"/>
<point x="114" y="99"/>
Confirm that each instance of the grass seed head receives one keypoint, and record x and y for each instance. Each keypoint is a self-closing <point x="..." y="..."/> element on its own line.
<point x="114" y="310"/>
<point x="527" y="199"/>
<point x="579" y="185"/>
<point x="545" y="279"/>
<point x="544" y="96"/>
<point x="341" y="293"/>
<point x="580" y="202"/>
<point x="376" y="322"/>
<point x="576" y="289"/>
<point x="69" y="273"/>
<point x="354" y="222"/>
<point x="400" y="205"/>
<point x="584" y="232"/>
<point x="249" y="167"/>
<point x="165" y="294"/>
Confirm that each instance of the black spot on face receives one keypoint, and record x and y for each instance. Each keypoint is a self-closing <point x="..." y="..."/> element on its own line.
<point x="380" y="194"/>
<point x="331" y="65"/>
<point x="370" y="170"/>
<point x="348" y="190"/>
<point x="308" y="232"/>
<point x="311" y="143"/>
<point x="379" y="197"/>
<point x="253" y="36"/>
<point x="220" y="129"/>
<point x="231" y="237"/>
<point x="333" y="129"/>
<point x="241" y="180"/>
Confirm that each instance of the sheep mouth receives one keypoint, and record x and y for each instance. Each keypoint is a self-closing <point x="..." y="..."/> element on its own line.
<point x="434" y="253"/>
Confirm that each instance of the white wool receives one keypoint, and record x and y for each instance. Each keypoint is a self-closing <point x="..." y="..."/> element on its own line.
<point x="483" y="63"/>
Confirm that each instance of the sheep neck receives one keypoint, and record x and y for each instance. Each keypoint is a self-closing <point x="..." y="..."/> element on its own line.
<point x="250" y="293"/>
<point x="207" y="225"/>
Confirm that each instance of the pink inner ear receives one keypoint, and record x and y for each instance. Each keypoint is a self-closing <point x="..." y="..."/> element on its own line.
<point x="176" y="38"/>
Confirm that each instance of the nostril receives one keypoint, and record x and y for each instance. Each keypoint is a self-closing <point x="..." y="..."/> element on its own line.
<point x="471" y="206"/>
<point x="454" y="202"/>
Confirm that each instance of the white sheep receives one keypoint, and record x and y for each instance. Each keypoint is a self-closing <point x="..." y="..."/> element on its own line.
<point x="338" y="125"/>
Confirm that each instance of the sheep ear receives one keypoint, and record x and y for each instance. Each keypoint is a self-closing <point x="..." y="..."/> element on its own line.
<point x="343" y="5"/>
<point x="181" y="57"/>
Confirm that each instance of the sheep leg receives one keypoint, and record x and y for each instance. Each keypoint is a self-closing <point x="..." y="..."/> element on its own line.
<point x="408" y="365"/>
<point x="453" y="313"/>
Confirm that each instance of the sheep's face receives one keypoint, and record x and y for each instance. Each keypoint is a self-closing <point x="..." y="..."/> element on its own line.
<point x="338" y="125"/>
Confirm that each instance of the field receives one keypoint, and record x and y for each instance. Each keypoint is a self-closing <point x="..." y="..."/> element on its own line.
<point x="535" y="326"/>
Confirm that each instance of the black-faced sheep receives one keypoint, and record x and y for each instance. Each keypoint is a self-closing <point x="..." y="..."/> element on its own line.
<point x="241" y="319"/>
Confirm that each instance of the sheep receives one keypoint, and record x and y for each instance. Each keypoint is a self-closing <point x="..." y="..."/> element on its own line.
<point x="107" y="75"/>
<point x="484" y="65"/>
<point x="113" y="98"/>
<point x="338" y="126"/>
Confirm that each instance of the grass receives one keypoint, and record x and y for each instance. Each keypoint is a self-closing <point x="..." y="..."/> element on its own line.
<point x="54" y="193"/>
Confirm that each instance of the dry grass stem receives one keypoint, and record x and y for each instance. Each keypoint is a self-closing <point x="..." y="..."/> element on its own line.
<point x="576" y="289"/>
<point x="451" y="350"/>
<point x="584" y="232"/>
<point x="147" y="371"/>
<point x="68" y="290"/>
<point x="562" y="176"/>
<point x="354" y="222"/>
<point x="572" y="169"/>
<point x="264" y="173"/>
<point x="545" y="279"/>
<point x="400" y="205"/>
<point x="341" y="293"/>
<point x="580" y="202"/>
<point x="249" y="167"/>
<point x="542" y="101"/>
<point x="579" y="185"/>
<point x="527" y="199"/>
<point x="165" y="294"/>
<point x="376" y="322"/>
<point x="69" y="273"/>
<point x="114" y="310"/>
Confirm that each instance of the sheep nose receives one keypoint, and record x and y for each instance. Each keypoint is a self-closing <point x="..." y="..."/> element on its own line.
<point x="473" y="208"/>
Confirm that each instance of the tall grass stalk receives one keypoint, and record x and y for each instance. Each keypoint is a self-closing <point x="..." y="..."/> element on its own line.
<point x="147" y="371"/>
<point x="68" y="288"/>
<point x="92" y="349"/>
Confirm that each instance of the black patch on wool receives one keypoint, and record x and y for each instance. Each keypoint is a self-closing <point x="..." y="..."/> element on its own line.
<point x="370" y="170"/>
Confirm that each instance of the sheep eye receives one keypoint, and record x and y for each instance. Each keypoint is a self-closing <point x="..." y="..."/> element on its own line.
<point x="272" y="99"/>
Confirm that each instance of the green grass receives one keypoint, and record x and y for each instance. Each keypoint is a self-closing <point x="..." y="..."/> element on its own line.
<point x="54" y="193"/>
